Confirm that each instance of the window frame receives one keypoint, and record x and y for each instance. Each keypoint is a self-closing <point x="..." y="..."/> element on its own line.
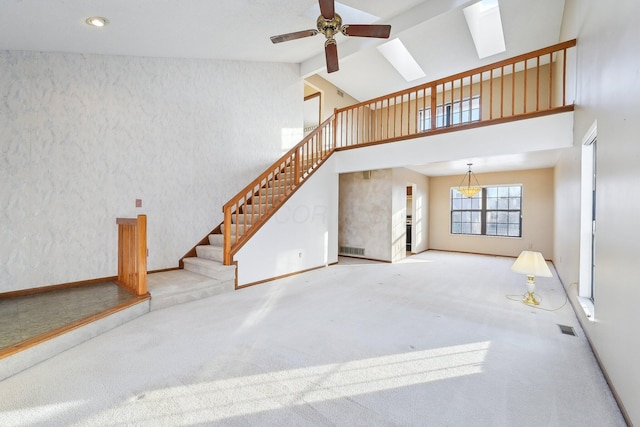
<point x="451" y="113"/>
<point x="479" y="212"/>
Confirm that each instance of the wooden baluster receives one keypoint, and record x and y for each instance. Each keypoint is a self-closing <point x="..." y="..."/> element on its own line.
<point x="513" y="89"/>
<point x="526" y="72"/>
<point x="297" y="164"/>
<point x="538" y="83"/>
<point x="434" y="103"/>
<point x="564" y="77"/>
<point x="550" y="102"/>
<point x="491" y="94"/>
<point x="502" y="92"/>
<point x="481" y="95"/>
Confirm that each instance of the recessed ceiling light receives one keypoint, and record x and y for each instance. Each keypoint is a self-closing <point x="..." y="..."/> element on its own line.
<point x="97" y="21"/>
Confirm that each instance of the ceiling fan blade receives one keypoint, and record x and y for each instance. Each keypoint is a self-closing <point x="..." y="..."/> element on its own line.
<point x="293" y="36"/>
<point x="327" y="9"/>
<point x="362" y="30"/>
<point x="331" y="55"/>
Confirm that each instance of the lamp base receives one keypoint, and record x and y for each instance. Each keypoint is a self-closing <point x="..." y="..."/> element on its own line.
<point x="530" y="299"/>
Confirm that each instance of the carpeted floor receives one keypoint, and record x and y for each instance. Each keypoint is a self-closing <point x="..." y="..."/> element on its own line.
<point x="431" y="341"/>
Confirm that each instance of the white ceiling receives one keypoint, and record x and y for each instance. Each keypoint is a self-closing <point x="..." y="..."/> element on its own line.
<point x="434" y="31"/>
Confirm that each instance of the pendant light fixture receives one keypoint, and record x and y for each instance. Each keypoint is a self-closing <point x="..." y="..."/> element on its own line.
<point x="465" y="186"/>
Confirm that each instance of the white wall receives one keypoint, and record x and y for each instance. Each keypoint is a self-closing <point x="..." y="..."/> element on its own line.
<point x="302" y="235"/>
<point x="607" y="90"/>
<point x="83" y="136"/>
<point x="331" y="98"/>
<point x="541" y="133"/>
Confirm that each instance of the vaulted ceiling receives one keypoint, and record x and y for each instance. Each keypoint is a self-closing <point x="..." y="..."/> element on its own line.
<point x="434" y="31"/>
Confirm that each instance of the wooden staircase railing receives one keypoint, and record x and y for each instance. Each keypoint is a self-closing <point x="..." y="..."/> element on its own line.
<point x="132" y="254"/>
<point x="526" y="86"/>
<point x="247" y="210"/>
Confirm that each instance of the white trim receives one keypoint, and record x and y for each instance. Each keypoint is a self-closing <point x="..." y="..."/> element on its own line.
<point x="589" y="309"/>
<point x="586" y="220"/>
<point x="591" y="134"/>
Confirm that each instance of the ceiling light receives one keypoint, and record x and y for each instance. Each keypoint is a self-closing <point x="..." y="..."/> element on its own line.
<point x="485" y="25"/>
<point x="468" y="189"/>
<point x="398" y="55"/>
<point x="97" y="21"/>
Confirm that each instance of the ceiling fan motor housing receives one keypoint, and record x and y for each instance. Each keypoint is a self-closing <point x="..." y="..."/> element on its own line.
<point x="329" y="27"/>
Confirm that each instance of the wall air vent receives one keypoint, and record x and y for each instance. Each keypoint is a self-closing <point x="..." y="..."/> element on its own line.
<point x="348" y="250"/>
<point x="567" y="330"/>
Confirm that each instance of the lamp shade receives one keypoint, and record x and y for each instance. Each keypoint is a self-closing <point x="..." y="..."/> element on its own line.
<point x="532" y="264"/>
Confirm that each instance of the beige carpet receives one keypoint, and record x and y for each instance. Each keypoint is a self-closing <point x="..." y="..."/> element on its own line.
<point x="431" y="341"/>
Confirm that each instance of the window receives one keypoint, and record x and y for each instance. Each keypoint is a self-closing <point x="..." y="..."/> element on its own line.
<point x="452" y="113"/>
<point x="494" y="211"/>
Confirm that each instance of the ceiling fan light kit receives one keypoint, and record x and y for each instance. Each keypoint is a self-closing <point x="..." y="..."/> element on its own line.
<point x="329" y="23"/>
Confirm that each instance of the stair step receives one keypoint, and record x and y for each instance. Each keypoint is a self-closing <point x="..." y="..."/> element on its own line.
<point x="264" y="200"/>
<point x="210" y="268"/>
<point x="215" y="253"/>
<point x="286" y="174"/>
<point x="243" y="219"/>
<point x="250" y="209"/>
<point x="179" y="286"/>
<point x="239" y="231"/>
<point x="216" y="239"/>
<point x="281" y="182"/>
<point x="276" y="191"/>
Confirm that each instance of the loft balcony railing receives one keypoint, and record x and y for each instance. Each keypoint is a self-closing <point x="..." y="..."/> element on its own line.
<point x="521" y="87"/>
<point x="526" y="86"/>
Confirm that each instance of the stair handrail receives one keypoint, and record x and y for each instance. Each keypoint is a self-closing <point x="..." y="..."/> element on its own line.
<point x="278" y="182"/>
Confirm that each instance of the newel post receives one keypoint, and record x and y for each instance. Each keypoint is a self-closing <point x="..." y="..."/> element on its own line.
<point x="132" y="254"/>
<point x="142" y="254"/>
<point x="227" y="235"/>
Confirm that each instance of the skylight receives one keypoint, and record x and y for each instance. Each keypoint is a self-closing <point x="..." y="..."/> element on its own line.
<point x="485" y="25"/>
<point x="349" y="15"/>
<point x="397" y="54"/>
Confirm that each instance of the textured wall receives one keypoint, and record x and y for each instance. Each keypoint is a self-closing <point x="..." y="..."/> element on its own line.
<point x="365" y="216"/>
<point x="83" y="136"/>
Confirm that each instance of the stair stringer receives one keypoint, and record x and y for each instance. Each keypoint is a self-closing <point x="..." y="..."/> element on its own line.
<point x="301" y="235"/>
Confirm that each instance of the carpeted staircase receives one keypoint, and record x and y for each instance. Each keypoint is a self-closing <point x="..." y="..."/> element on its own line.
<point x="203" y="276"/>
<point x="209" y="259"/>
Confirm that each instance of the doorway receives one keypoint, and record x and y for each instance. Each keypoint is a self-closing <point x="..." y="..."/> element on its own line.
<point x="410" y="209"/>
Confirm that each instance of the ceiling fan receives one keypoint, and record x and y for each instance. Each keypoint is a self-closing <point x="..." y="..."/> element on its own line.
<point x="329" y="23"/>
